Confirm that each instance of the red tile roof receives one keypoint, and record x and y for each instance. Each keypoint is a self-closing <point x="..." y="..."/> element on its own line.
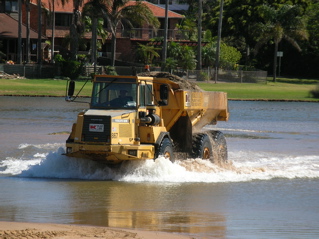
<point x="68" y="8"/>
<point x="9" y="28"/>
<point x="158" y="11"/>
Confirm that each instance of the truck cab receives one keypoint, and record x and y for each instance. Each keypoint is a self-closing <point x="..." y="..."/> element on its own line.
<point x="120" y="124"/>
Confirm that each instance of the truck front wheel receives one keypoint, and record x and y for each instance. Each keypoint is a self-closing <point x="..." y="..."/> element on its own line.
<point x="202" y="146"/>
<point x="219" y="147"/>
<point x="166" y="150"/>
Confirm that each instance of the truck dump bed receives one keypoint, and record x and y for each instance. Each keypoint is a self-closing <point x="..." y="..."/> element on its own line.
<point x="202" y="107"/>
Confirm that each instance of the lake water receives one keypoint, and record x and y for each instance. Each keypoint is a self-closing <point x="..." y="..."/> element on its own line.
<point x="270" y="189"/>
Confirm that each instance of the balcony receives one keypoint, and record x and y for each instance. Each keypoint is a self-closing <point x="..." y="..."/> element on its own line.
<point x="148" y="33"/>
<point x="173" y="5"/>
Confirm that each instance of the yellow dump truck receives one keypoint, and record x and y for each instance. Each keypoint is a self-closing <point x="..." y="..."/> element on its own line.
<point x="144" y="117"/>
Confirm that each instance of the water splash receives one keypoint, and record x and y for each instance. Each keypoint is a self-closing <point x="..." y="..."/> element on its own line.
<point x="37" y="161"/>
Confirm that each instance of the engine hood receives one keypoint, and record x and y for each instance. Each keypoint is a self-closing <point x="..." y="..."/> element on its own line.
<point x="112" y="113"/>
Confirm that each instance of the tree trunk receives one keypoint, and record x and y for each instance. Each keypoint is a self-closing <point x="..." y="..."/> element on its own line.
<point x="53" y="31"/>
<point x="94" y="39"/>
<point x="164" y="50"/>
<point x="275" y="62"/>
<point x="19" y="32"/>
<point x="219" y="34"/>
<point x="74" y="34"/>
<point x="28" y="32"/>
<point x="199" y="46"/>
<point x="113" y="49"/>
<point x="39" y="50"/>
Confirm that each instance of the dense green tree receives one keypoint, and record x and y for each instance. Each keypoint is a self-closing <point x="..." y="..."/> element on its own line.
<point x="170" y="64"/>
<point x="184" y="55"/>
<point x="313" y="26"/>
<point x="209" y="54"/>
<point x="189" y="29"/>
<point x="174" y="50"/>
<point x="188" y="58"/>
<point x="147" y="53"/>
<point x="239" y="21"/>
<point x="229" y="57"/>
<point x="304" y="64"/>
<point x="285" y="22"/>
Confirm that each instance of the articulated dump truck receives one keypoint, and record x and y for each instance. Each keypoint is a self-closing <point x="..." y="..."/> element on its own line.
<point x="145" y="117"/>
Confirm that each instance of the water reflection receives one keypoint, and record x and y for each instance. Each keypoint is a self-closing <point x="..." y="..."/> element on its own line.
<point x="155" y="207"/>
<point x="148" y="206"/>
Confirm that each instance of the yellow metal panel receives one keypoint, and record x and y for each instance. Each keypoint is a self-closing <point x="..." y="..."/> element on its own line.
<point x="79" y="126"/>
<point x="125" y="130"/>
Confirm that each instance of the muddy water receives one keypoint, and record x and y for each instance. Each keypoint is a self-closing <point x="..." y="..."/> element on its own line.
<point x="269" y="190"/>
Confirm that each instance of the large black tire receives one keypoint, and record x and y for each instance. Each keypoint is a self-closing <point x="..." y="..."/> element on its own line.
<point x="220" y="153"/>
<point x="202" y="146"/>
<point x="166" y="149"/>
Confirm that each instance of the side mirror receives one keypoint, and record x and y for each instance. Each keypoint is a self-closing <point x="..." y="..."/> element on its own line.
<point x="164" y="92"/>
<point x="71" y="88"/>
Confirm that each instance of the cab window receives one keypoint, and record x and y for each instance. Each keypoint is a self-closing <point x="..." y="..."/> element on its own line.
<point x="146" y="97"/>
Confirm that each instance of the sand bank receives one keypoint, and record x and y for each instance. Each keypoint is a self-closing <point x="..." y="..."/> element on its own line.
<point x="13" y="230"/>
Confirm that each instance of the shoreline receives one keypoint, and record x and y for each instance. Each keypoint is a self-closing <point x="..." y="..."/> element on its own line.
<point x="11" y="230"/>
<point x="230" y="99"/>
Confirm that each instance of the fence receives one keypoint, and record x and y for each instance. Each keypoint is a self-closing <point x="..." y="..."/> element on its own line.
<point x="208" y="75"/>
<point x="227" y="76"/>
<point x="32" y="70"/>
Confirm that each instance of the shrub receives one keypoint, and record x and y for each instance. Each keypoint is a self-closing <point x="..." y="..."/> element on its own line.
<point x="110" y="70"/>
<point x="71" y="69"/>
<point x="58" y="59"/>
<point x="315" y="92"/>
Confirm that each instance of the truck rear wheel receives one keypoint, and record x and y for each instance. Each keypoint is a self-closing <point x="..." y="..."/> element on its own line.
<point x="220" y="154"/>
<point x="166" y="150"/>
<point x="202" y="146"/>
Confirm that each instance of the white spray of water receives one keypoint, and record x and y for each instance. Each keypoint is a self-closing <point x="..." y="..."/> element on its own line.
<point x="243" y="166"/>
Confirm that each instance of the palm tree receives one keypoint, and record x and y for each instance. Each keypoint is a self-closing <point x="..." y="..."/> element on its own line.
<point x="120" y="12"/>
<point x="95" y="9"/>
<point x="286" y="23"/>
<point x="76" y="28"/>
<point x="209" y="54"/>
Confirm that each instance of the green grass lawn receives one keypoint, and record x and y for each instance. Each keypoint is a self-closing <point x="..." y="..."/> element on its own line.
<point x="42" y="87"/>
<point x="269" y="91"/>
<point x="283" y="89"/>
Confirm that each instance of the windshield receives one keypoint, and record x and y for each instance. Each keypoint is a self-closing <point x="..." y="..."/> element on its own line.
<point x="113" y="95"/>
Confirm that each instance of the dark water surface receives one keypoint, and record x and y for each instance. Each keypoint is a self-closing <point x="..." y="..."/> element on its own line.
<point x="270" y="189"/>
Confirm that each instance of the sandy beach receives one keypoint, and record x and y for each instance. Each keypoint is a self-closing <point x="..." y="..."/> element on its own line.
<point x="13" y="230"/>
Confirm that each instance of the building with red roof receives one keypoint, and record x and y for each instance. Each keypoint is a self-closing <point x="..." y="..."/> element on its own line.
<point x="127" y="39"/>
